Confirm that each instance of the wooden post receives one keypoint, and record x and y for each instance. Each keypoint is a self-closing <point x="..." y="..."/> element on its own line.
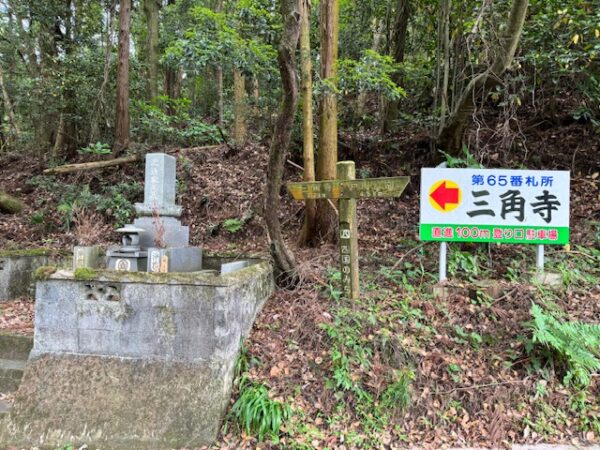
<point x="348" y="235"/>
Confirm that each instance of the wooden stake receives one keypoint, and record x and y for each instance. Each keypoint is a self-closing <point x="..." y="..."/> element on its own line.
<point x="348" y="235"/>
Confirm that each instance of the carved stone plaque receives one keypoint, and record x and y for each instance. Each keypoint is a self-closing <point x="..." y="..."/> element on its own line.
<point x="102" y="292"/>
<point x="124" y="265"/>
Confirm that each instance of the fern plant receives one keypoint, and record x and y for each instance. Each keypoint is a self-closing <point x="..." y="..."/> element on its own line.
<point x="257" y="413"/>
<point x="574" y="345"/>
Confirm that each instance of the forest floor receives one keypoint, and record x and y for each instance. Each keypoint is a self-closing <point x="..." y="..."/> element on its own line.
<point x="397" y="368"/>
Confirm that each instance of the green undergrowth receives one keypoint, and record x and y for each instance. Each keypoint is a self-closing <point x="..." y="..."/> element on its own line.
<point x="573" y="347"/>
<point x="376" y="342"/>
<point x="366" y="343"/>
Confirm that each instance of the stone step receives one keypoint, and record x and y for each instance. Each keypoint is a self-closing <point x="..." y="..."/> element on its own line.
<point x="13" y="347"/>
<point x="11" y="372"/>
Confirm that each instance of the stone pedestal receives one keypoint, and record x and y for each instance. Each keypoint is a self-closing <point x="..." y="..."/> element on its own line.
<point x="186" y="259"/>
<point x="86" y="256"/>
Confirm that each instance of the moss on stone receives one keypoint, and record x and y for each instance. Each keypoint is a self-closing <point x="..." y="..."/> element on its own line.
<point x="16" y="253"/>
<point x="43" y="272"/>
<point x="84" y="273"/>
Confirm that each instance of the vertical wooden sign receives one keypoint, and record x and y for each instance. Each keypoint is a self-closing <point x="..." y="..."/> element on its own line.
<point x="346" y="170"/>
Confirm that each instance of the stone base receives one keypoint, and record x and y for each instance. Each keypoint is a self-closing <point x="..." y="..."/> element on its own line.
<point x="127" y="262"/>
<point x="176" y="235"/>
<point x="186" y="259"/>
<point x="117" y="403"/>
<point x="444" y="290"/>
<point x="550" y="279"/>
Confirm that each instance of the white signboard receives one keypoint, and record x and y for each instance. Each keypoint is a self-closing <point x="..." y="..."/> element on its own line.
<point x="495" y="205"/>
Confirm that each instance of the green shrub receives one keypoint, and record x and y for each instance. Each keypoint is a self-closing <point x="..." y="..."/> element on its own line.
<point x="233" y="225"/>
<point x="99" y="148"/>
<point x="572" y="346"/>
<point x="152" y="124"/>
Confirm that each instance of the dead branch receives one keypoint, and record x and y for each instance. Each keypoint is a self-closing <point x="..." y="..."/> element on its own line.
<point x="84" y="167"/>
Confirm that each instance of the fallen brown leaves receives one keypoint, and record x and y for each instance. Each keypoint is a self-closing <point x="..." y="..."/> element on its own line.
<point x="16" y="316"/>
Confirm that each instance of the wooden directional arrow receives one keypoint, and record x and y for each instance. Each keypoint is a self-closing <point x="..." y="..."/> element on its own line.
<point x="335" y="189"/>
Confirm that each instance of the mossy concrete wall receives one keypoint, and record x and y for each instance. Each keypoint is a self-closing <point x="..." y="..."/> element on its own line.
<point x="134" y="360"/>
<point x="16" y="274"/>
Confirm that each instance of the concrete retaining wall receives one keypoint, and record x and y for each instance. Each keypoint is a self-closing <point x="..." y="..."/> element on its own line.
<point x="134" y="360"/>
<point x="16" y="275"/>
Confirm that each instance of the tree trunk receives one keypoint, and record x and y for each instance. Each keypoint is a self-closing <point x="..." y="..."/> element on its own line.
<point x="8" y="107"/>
<point x="451" y="133"/>
<point x="361" y="102"/>
<point x="327" y="156"/>
<point x="122" y="139"/>
<point x="151" y="9"/>
<point x="285" y="265"/>
<point x="172" y="82"/>
<point x="100" y="106"/>
<point x="255" y="97"/>
<point x="239" y="109"/>
<point x="307" y="235"/>
<point x="220" y="94"/>
<point x="444" y="64"/>
<point x="219" y="77"/>
<point x="59" y="140"/>
<point x="399" y="33"/>
<point x="172" y="88"/>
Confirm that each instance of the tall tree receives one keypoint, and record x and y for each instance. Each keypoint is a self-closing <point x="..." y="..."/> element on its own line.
<point x="327" y="155"/>
<point x="152" y="10"/>
<point x="172" y="81"/>
<point x="310" y="211"/>
<point x="285" y="265"/>
<point x="451" y="132"/>
<point x="219" y="77"/>
<point x="122" y="138"/>
<point x="240" y="127"/>
<point x="8" y="107"/>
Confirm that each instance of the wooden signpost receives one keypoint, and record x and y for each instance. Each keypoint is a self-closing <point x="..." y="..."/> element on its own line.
<point x="347" y="189"/>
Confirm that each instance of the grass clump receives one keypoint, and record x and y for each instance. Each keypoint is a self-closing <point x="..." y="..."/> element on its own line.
<point x="257" y="413"/>
<point x="571" y="346"/>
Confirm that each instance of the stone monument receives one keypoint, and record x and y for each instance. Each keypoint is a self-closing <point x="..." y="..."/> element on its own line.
<point x="159" y="199"/>
<point x="157" y="241"/>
